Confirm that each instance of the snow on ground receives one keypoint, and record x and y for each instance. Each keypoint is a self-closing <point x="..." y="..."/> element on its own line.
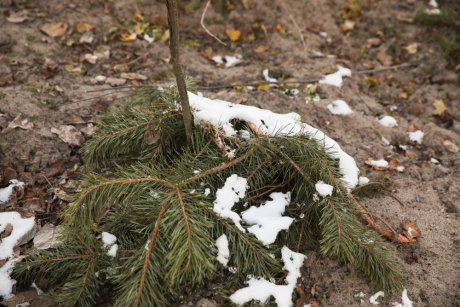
<point x="232" y="192"/>
<point x="223" y="252"/>
<point x="388" y="121"/>
<point x="227" y="60"/>
<point x="266" y="76"/>
<point x="261" y="290"/>
<point x="378" y="163"/>
<point x="5" y="193"/>
<point x="339" y="107"/>
<point x="336" y="79"/>
<point x="373" y="298"/>
<point x="416" y="136"/>
<point x="406" y="302"/>
<point x="22" y="230"/>
<point x="267" y="219"/>
<point x="220" y="114"/>
<point x="363" y="180"/>
<point x="323" y="189"/>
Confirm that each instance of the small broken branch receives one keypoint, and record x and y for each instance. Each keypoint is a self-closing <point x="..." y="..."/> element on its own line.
<point x="204" y="26"/>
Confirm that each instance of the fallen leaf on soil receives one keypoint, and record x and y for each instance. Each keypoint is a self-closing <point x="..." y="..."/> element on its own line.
<point x="261" y="49"/>
<point x="18" y="17"/>
<point x="439" y="107"/>
<point x="88" y="57"/>
<point x="55" y="169"/>
<point x="47" y="237"/>
<point x="384" y="58"/>
<point x="6" y="79"/>
<point x="373" y="42"/>
<point x="403" y="95"/>
<point x="72" y="68"/>
<point x="88" y="130"/>
<point x="165" y="36"/>
<point x="50" y="68"/>
<point x="62" y="195"/>
<point x="128" y="37"/>
<point x="412" y="48"/>
<point x="280" y="28"/>
<point x="247" y="4"/>
<point x="133" y="76"/>
<point x="55" y="29"/>
<point x="233" y="34"/>
<point x="264" y="87"/>
<point x="86" y="38"/>
<point x="73" y="119"/>
<point x="347" y="25"/>
<point x="115" y="81"/>
<point x="69" y="134"/>
<point x="450" y="146"/>
<point x="411" y="230"/>
<point x="83" y="27"/>
<point x="411" y="154"/>
<point x="18" y="123"/>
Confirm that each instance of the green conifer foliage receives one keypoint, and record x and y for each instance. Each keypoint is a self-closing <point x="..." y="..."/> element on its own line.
<point x="142" y="186"/>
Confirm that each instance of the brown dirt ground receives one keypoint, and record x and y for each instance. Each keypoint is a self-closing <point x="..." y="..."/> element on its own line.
<point x="49" y="96"/>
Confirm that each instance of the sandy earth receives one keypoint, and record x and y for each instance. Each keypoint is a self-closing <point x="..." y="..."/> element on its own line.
<point x="49" y="96"/>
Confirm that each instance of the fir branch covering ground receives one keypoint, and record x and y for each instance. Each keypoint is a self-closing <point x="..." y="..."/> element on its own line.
<point x="146" y="186"/>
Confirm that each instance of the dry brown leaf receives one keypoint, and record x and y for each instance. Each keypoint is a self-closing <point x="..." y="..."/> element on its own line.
<point x="55" y="29"/>
<point x="384" y="58"/>
<point x="412" y="48"/>
<point x="373" y="42"/>
<point x="88" y="57"/>
<point x="115" y="81"/>
<point x="411" y="154"/>
<point x="439" y="107"/>
<point x="133" y="76"/>
<point x="18" y="123"/>
<point x="280" y="28"/>
<point x="83" y="27"/>
<point x="6" y="79"/>
<point x="69" y="134"/>
<point x="411" y="230"/>
<point x="233" y="34"/>
<point x="450" y="146"/>
<point x="18" y="17"/>
<point x="261" y="49"/>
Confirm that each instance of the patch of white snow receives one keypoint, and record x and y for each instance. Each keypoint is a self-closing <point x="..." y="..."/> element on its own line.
<point x="267" y="219"/>
<point x="223" y="252"/>
<point x="323" y="188"/>
<point x="388" y="121"/>
<point x="220" y="114"/>
<point x="373" y="298"/>
<point x="232" y="192"/>
<point x="339" y="107"/>
<point x="336" y="79"/>
<point x="416" y="136"/>
<point x="5" y="193"/>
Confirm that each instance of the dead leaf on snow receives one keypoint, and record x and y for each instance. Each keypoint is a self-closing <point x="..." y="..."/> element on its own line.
<point x="233" y="34"/>
<point x="384" y="58"/>
<point x="69" y="134"/>
<point x="115" y="81"/>
<point x="55" y="29"/>
<point x="18" y="17"/>
<point x="133" y="76"/>
<point x="412" y="48"/>
<point x="7" y="231"/>
<point x="450" y="146"/>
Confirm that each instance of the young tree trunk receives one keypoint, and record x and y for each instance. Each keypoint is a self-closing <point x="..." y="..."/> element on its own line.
<point x="173" y="22"/>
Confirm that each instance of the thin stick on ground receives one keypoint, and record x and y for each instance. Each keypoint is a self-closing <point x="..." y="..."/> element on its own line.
<point x="204" y="26"/>
<point x="302" y="39"/>
<point x="173" y="22"/>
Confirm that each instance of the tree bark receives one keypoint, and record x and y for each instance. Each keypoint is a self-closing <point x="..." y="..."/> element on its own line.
<point x="173" y="22"/>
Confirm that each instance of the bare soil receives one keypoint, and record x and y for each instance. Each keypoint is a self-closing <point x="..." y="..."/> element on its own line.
<point x="37" y="83"/>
